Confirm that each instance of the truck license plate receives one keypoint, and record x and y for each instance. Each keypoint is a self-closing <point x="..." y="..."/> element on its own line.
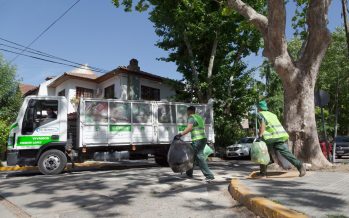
<point x="340" y="152"/>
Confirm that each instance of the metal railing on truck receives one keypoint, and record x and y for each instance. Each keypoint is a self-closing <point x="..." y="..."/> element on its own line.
<point x="119" y="122"/>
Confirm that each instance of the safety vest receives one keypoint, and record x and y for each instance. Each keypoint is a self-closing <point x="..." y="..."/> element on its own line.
<point x="198" y="131"/>
<point x="274" y="131"/>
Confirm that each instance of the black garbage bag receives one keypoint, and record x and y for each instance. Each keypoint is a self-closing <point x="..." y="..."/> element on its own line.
<point x="180" y="156"/>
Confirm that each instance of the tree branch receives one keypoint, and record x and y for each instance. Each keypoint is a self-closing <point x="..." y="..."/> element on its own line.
<point x="276" y="27"/>
<point x="319" y="36"/>
<point x="192" y="65"/>
<point x="210" y="66"/>
<point x="273" y="32"/>
<point x="258" y="20"/>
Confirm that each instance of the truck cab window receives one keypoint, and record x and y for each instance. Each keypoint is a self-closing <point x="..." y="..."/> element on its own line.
<point x="39" y="113"/>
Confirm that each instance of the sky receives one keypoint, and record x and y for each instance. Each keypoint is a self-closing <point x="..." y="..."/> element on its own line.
<point x="96" y="33"/>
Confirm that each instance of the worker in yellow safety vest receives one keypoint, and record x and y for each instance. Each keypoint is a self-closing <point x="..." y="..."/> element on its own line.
<point x="196" y="126"/>
<point x="274" y="135"/>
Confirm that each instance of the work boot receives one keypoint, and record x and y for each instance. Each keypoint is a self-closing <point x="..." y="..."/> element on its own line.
<point x="302" y="170"/>
<point x="263" y="170"/>
<point x="209" y="180"/>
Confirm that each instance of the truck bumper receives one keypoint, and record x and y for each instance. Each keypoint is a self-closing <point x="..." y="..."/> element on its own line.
<point x="20" y="157"/>
<point x="12" y="158"/>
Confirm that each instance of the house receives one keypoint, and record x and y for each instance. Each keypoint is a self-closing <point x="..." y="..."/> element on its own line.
<point x="127" y="83"/>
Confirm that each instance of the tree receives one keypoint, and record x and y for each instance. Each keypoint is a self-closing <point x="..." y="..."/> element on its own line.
<point x="10" y="99"/>
<point x="207" y="42"/>
<point x="333" y="77"/>
<point x="299" y="75"/>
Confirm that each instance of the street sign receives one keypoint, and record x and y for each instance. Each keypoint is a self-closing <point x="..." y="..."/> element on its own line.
<point x="322" y="98"/>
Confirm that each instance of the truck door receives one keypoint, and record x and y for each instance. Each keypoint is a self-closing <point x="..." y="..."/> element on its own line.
<point x="40" y="124"/>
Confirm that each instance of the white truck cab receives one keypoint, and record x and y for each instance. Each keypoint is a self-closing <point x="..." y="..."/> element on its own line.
<point x="45" y="135"/>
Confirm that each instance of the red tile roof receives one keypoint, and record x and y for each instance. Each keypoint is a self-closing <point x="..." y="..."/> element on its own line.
<point x="26" y="88"/>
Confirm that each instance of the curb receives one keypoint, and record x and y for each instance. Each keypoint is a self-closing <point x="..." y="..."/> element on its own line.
<point x="27" y="168"/>
<point x="260" y="205"/>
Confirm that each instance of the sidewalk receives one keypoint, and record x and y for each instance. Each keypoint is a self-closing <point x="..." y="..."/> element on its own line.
<point x="318" y="194"/>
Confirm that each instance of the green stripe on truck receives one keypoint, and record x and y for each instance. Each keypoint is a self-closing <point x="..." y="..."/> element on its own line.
<point x="120" y="128"/>
<point x="34" y="140"/>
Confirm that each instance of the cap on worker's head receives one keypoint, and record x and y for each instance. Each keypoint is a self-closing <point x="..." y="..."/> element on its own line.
<point x="263" y="105"/>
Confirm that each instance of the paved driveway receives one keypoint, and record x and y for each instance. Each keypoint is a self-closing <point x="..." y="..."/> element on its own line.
<point x="136" y="189"/>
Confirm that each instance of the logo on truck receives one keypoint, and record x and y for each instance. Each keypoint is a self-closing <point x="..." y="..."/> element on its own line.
<point x="34" y="140"/>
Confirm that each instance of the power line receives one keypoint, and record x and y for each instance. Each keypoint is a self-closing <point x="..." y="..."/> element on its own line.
<point x="43" y="59"/>
<point x="37" y="52"/>
<point x="45" y="30"/>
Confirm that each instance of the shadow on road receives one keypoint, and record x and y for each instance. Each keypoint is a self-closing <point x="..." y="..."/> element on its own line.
<point x="108" y="189"/>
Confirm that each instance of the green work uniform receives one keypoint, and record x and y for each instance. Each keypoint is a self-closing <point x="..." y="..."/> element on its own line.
<point x="199" y="141"/>
<point x="275" y="137"/>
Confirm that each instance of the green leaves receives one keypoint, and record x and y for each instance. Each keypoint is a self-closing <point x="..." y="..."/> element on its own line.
<point x="202" y="22"/>
<point x="299" y="19"/>
<point x="10" y="96"/>
<point x="227" y="11"/>
<point x="10" y="99"/>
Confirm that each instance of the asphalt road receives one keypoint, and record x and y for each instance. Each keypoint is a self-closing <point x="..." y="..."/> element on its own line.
<point x="130" y="189"/>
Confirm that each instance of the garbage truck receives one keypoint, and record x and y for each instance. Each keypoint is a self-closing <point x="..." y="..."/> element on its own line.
<point x="45" y="135"/>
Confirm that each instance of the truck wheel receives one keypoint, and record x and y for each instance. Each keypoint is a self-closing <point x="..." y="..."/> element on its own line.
<point x="52" y="162"/>
<point x="161" y="160"/>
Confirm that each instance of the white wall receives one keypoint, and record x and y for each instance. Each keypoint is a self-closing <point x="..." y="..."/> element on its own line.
<point x="44" y="90"/>
<point x="112" y="81"/>
<point x="123" y="87"/>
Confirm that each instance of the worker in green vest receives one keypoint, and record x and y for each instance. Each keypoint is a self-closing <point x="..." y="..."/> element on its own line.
<point x="275" y="136"/>
<point x="196" y="126"/>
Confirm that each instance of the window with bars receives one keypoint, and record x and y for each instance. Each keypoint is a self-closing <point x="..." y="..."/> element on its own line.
<point x="84" y="92"/>
<point x="149" y="93"/>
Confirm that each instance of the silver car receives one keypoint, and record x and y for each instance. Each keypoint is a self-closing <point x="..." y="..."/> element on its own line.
<point x="241" y="149"/>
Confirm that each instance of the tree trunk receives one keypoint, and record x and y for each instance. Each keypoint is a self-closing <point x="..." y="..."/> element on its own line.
<point x="298" y="76"/>
<point x="300" y="123"/>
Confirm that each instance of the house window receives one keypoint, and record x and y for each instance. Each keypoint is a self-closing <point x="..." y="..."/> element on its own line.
<point x="109" y="92"/>
<point x="149" y="93"/>
<point x="61" y="93"/>
<point x="83" y="92"/>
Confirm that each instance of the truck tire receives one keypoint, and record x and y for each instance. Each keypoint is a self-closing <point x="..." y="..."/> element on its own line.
<point x="161" y="160"/>
<point x="52" y="162"/>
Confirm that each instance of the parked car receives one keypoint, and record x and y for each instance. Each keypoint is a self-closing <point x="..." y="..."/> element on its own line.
<point x="240" y="149"/>
<point x="342" y="146"/>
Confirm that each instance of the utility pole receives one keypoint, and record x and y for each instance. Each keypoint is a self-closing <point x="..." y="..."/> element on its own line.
<point x="255" y="111"/>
